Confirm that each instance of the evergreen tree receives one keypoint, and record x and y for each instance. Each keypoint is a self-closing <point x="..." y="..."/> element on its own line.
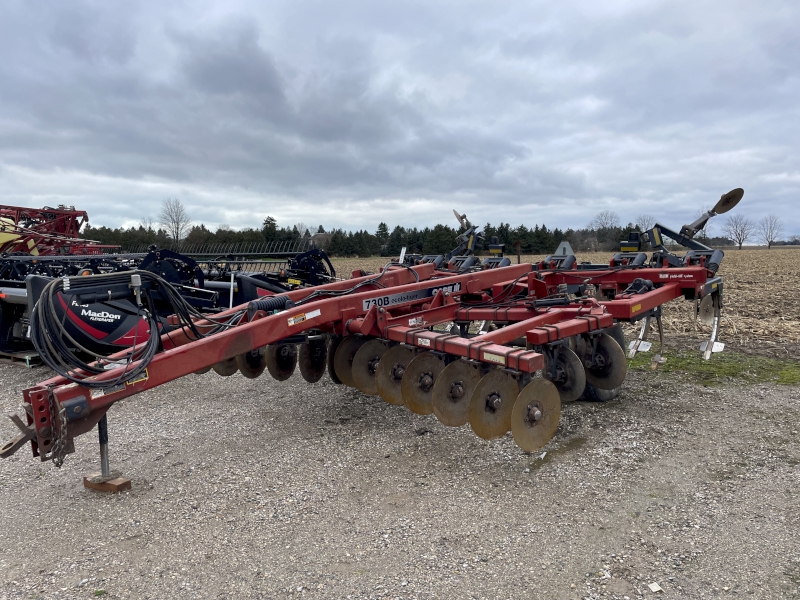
<point x="382" y="233"/>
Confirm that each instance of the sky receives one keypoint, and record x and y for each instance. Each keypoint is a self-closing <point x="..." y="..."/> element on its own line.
<point x="350" y="113"/>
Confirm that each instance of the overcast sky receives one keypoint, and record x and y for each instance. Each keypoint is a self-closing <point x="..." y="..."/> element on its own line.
<point x="350" y="113"/>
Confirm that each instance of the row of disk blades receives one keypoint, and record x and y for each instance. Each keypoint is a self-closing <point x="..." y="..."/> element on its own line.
<point x="492" y="399"/>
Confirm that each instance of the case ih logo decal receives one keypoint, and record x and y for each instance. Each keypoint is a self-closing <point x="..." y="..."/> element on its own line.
<point x="104" y="316"/>
<point x="393" y="299"/>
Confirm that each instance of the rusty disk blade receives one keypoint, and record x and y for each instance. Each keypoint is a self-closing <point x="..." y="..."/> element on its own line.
<point x="728" y="200"/>
<point x="418" y="380"/>
<point x="252" y="364"/>
<point x="312" y="358"/>
<point x="535" y="416"/>
<point x="389" y="376"/>
<point x="343" y="359"/>
<point x="226" y="368"/>
<point x="333" y="345"/>
<point x="365" y="364"/>
<point x="202" y="371"/>
<point x="610" y="366"/>
<point x="453" y="391"/>
<point x="491" y="404"/>
<point x="705" y="312"/>
<point x="570" y="378"/>
<point x="281" y="360"/>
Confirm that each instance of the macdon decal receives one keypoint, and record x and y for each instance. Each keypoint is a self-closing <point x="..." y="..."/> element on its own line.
<point x="393" y="299"/>
<point x="104" y="316"/>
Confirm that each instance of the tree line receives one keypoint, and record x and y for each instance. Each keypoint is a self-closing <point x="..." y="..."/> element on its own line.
<point x="174" y="230"/>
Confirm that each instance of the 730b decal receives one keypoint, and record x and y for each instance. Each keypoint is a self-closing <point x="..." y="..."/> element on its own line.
<point x="392" y="299"/>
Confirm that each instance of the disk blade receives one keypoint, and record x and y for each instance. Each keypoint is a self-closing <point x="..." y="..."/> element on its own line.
<point x="281" y="360"/>
<point x="389" y="376"/>
<point x="728" y="201"/>
<point x="418" y="380"/>
<point x="312" y="358"/>
<point x="535" y="416"/>
<point x="333" y="345"/>
<point x="705" y="312"/>
<point x="365" y="364"/>
<point x="491" y="404"/>
<point x="226" y="368"/>
<point x="453" y="390"/>
<point x="252" y="364"/>
<point x="610" y="367"/>
<point x="343" y="359"/>
<point x="568" y="376"/>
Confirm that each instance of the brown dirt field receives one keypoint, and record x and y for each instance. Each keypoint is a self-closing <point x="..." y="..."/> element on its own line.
<point x="762" y="306"/>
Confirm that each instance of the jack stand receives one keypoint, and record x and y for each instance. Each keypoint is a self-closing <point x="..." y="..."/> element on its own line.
<point x="105" y="481"/>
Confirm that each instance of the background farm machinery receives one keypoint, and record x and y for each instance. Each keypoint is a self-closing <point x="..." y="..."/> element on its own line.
<point x="43" y="243"/>
<point x="415" y="335"/>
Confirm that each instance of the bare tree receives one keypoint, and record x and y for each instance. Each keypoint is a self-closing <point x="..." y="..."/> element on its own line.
<point x="147" y="223"/>
<point x="739" y="229"/>
<point x="175" y="220"/>
<point x="302" y="228"/>
<point x="645" y="222"/>
<point x="605" y="219"/>
<point x="770" y="229"/>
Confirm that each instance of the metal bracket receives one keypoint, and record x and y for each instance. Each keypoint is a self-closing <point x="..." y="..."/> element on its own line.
<point x="28" y="432"/>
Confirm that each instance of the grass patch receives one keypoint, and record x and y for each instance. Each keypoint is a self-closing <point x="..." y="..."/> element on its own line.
<point x="724" y="367"/>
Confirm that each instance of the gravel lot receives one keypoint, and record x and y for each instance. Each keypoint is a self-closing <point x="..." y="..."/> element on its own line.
<point x="260" y="489"/>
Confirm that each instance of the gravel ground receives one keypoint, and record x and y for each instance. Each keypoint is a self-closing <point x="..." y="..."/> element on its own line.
<point x="260" y="489"/>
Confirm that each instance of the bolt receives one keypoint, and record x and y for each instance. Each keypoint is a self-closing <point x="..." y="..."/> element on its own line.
<point x="456" y="390"/>
<point x="77" y="410"/>
<point x="45" y="432"/>
<point x="493" y="401"/>
<point x="537" y="415"/>
<point x="398" y="371"/>
<point x="426" y="381"/>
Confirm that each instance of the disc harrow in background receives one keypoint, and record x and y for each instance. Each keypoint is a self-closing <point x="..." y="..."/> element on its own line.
<point x="312" y="358"/>
<point x="226" y="368"/>
<point x="418" y="381"/>
<point x="252" y="364"/>
<point x="535" y="416"/>
<point x="365" y="365"/>
<point x="569" y="378"/>
<point x="610" y="366"/>
<point x="343" y="359"/>
<point x="452" y="392"/>
<point x="281" y="360"/>
<point x="389" y="376"/>
<point x="492" y="402"/>
<point x="333" y="345"/>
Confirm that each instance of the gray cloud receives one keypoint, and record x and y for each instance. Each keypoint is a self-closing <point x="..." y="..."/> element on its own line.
<point x="352" y="113"/>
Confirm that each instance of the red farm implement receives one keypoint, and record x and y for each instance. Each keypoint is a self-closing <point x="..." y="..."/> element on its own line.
<point x="44" y="231"/>
<point x="497" y="347"/>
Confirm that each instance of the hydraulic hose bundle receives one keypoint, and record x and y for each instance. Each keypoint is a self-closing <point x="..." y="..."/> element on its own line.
<point x="60" y="351"/>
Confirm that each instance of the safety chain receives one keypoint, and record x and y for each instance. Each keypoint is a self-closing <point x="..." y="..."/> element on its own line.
<point x="59" y="447"/>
